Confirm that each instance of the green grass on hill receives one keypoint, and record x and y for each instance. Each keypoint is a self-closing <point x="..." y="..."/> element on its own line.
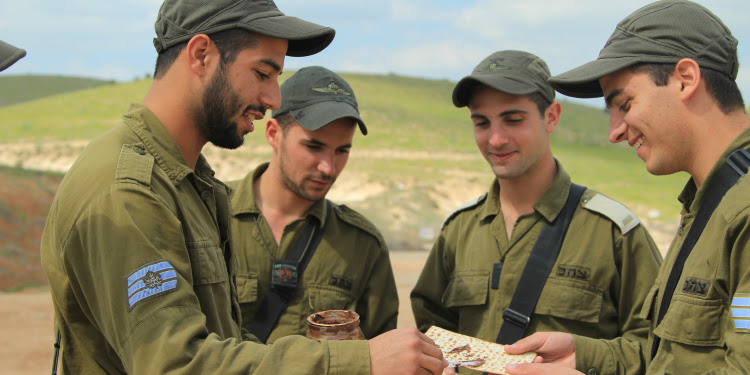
<point x="405" y="117"/>
<point x="19" y="89"/>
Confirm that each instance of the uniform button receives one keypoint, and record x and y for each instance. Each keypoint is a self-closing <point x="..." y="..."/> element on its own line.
<point x="679" y="231"/>
<point x="593" y="371"/>
<point x="586" y="199"/>
<point x="139" y="150"/>
<point x="338" y="209"/>
<point x="205" y="195"/>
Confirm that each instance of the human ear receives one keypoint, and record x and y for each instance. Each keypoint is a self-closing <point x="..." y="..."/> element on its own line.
<point x="687" y="73"/>
<point x="201" y="53"/>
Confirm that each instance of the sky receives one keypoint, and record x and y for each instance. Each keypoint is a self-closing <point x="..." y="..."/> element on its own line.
<point x="436" y="39"/>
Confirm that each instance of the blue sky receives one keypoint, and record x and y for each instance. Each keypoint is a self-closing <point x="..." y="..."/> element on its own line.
<point x="438" y="39"/>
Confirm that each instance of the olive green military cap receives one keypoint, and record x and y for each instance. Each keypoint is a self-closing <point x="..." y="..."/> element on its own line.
<point x="9" y="55"/>
<point x="515" y="73"/>
<point x="180" y="20"/>
<point x="316" y="96"/>
<point x="662" y="32"/>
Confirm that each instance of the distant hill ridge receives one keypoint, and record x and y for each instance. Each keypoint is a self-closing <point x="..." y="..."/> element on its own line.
<point x="19" y="89"/>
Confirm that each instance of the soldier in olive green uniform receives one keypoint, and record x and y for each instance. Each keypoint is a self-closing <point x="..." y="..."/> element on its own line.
<point x="607" y="262"/>
<point x="350" y="269"/>
<point x="137" y="242"/>
<point x="9" y="54"/>
<point x="667" y="73"/>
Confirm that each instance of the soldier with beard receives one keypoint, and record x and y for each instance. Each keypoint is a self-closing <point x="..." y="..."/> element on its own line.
<point x="137" y="242"/>
<point x="311" y="136"/>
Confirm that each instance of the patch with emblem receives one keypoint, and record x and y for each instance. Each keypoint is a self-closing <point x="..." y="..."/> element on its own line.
<point x="341" y="282"/>
<point x="696" y="287"/>
<point x="741" y="312"/>
<point x="149" y="281"/>
<point x="573" y="272"/>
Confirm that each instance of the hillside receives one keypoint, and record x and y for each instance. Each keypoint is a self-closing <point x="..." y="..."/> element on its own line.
<point x="19" y="89"/>
<point x="418" y="163"/>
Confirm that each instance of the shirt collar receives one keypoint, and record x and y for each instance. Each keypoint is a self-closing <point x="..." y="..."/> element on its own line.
<point x="161" y="145"/>
<point x="691" y="197"/>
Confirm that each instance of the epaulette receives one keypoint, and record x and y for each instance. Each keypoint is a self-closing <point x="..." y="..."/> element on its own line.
<point x="470" y="204"/>
<point x="135" y="164"/>
<point x="613" y="210"/>
<point x="356" y="219"/>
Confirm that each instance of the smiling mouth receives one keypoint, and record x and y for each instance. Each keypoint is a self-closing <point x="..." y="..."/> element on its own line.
<point x="638" y="143"/>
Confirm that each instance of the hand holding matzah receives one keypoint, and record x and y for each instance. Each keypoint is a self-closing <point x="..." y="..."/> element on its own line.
<point x="489" y="357"/>
<point x="556" y="350"/>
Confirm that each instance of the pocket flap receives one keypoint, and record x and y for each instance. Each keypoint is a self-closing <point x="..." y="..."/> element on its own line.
<point x="207" y="262"/>
<point x="326" y="297"/>
<point x="570" y="300"/>
<point x="693" y="321"/>
<point x="467" y="288"/>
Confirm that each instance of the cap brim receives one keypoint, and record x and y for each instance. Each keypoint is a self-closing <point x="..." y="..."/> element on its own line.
<point x="305" y="38"/>
<point x="583" y="81"/>
<point x="461" y="93"/>
<point x="318" y="115"/>
<point x="9" y="55"/>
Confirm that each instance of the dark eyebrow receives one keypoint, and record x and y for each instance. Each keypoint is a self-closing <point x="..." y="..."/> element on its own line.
<point x="319" y="143"/>
<point x="512" y="112"/>
<point x="272" y="64"/>
<point x="608" y="100"/>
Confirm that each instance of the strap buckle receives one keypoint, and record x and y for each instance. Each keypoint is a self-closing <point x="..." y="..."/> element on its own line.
<point x="739" y="160"/>
<point x="516" y="318"/>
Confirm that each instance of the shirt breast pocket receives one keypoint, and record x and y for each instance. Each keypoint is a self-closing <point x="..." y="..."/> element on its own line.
<point x="326" y="297"/>
<point x="247" y="287"/>
<point x="570" y="300"/>
<point x="207" y="262"/>
<point x="467" y="288"/>
<point x="693" y="321"/>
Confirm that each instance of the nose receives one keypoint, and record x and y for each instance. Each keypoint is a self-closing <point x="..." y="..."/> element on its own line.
<point x="617" y="129"/>
<point x="327" y="164"/>
<point x="271" y="98"/>
<point x="497" y="135"/>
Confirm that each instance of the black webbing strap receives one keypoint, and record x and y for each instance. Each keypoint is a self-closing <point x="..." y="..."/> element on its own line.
<point x="276" y="301"/>
<point x="735" y="167"/>
<point x="516" y="317"/>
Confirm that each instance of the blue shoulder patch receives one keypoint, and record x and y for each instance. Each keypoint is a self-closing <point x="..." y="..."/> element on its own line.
<point x="149" y="281"/>
<point x="741" y="312"/>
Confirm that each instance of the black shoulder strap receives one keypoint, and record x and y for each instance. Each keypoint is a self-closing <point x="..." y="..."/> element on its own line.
<point x="276" y="300"/>
<point x="735" y="167"/>
<point x="543" y="256"/>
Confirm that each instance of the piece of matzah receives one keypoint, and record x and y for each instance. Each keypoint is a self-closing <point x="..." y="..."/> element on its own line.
<point x="458" y="347"/>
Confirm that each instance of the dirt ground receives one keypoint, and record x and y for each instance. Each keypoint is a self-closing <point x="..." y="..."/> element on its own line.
<point x="26" y="319"/>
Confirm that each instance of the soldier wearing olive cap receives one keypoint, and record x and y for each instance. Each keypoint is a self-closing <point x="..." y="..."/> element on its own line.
<point x="138" y="247"/>
<point x="474" y="276"/>
<point x="667" y="74"/>
<point x="349" y="269"/>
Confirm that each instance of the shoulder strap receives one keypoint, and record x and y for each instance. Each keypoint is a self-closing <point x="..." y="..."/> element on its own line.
<point x="736" y="166"/>
<point x="277" y="300"/>
<point x="543" y="256"/>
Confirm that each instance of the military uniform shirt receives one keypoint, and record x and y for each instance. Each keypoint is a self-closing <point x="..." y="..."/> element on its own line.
<point x="136" y="250"/>
<point x="706" y="329"/>
<point x="605" y="268"/>
<point x="350" y="270"/>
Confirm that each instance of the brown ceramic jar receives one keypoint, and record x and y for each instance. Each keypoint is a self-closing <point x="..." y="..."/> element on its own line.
<point x="334" y="325"/>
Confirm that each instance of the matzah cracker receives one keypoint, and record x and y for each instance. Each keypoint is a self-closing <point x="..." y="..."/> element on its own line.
<point x="454" y="348"/>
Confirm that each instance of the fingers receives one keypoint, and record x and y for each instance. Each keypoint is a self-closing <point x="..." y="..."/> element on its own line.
<point x="530" y="343"/>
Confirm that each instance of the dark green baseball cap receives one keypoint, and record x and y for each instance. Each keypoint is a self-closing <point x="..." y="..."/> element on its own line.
<point x="515" y="73"/>
<point x="180" y="20"/>
<point x="316" y="96"/>
<point x="9" y="55"/>
<point x="662" y="32"/>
